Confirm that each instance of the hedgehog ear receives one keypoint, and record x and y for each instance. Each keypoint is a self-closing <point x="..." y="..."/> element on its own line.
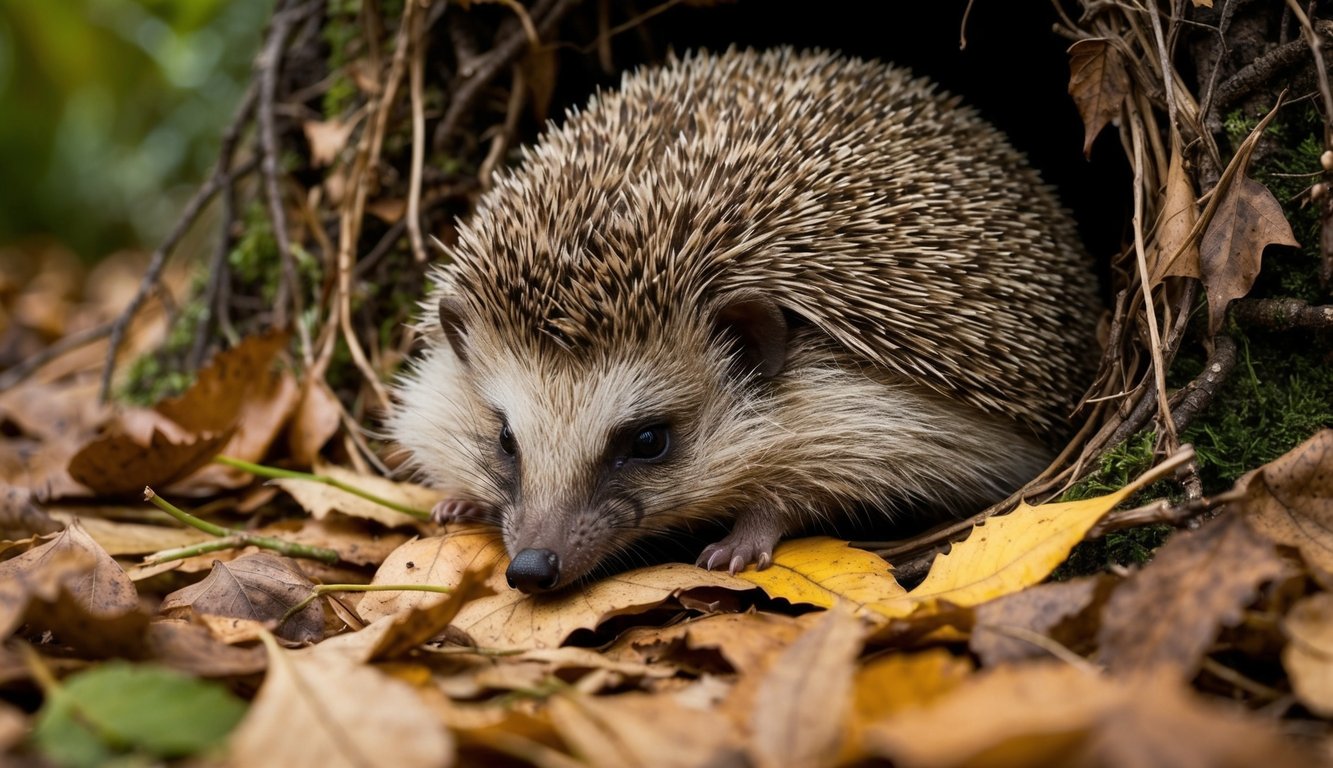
<point x="451" y="320"/>
<point x="756" y="323"/>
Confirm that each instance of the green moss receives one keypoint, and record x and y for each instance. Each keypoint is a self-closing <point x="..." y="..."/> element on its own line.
<point x="1132" y="546"/>
<point x="1120" y="465"/>
<point x="1280" y="393"/>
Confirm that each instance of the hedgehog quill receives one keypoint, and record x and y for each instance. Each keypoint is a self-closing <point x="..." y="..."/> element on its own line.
<point x="763" y="291"/>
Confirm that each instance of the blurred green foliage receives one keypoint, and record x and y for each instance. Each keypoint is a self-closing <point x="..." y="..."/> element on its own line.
<point x="111" y="111"/>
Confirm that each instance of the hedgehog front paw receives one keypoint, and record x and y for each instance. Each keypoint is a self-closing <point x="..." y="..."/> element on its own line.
<point x="455" y="511"/>
<point x="747" y="543"/>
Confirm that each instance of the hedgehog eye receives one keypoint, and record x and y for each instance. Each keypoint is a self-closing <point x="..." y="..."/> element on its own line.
<point x="651" y="443"/>
<point x="507" y="440"/>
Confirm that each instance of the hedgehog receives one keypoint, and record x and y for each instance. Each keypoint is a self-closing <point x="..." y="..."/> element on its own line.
<point x="767" y="292"/>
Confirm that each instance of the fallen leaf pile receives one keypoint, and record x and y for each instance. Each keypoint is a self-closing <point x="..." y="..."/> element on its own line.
<point x="381" y="638"/>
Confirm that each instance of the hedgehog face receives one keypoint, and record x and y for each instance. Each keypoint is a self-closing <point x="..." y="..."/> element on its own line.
<point x="586" y="452"/>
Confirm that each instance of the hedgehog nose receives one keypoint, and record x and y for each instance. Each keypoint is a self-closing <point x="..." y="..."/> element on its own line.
<point x="534" y="570"/>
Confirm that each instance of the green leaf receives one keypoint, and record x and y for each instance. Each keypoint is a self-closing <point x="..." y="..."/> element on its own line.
<point x="120" y="708"/>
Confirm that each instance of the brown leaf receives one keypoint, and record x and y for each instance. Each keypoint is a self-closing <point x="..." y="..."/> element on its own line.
<point x="320" y="499"/>
<point x="802" y="701"/>
<point x="638" y="729"/>
<point x="1308" y="656"/>
<point x="192" y="648"/>
<point x="1006" y="628"/>
<point x="424" y="622"/>
<point x="1163" y="618"/>
<point x="1055" y="714"/>
<point x="316" y="420"/>
<point x="20" y="517"/>
<point x="323" y="711"/>
<point x="83" y="568"/>
<point x="1290" y="500"/>
<point x="1169" y="256"/>
<point x="746" y="641"/>
<point x="13" y="727"/>
<point x="88" y="631"/>
<point x="220" y="391"/>
<point x="510" y="619"/>
<point x="1247" y="219"/>
<point x="117" y="464"/>
<point x="327" y="139"/>
<point x="119" y="538"/>
<point x="258" y="587"/>
<point x="1099" y="83"/>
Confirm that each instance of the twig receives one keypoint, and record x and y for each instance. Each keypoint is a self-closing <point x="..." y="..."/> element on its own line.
<point x="506" y="133"/>
<point x="1150" y="310"/>
<point x="275" y="473"/>
<point x="1159" y="511"/>
<point x="1195" y="397"/>
<point x="467" y="87"/>
<point x="1043" y="642"/>
<point x="22" y="370"/>
<point x="416" y="77"/>
<point x="156" y="263"/>
<point x="1282" y="314"/>
<point x="324" y="589"/>
<point x="236" y="538"/>
<point x="289" y="299"/>
<point x="214" y="308"/>
<point x="1326" y="214"/>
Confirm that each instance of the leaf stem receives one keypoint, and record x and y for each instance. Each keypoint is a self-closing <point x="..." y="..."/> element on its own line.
<point x="323" y="589"/>
<point x="230" y="538"/>
<point x="275" y="473"/>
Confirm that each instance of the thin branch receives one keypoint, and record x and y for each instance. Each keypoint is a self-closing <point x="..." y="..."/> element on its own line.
<point x="22" y="370"/>
<point x="417" y="76"/>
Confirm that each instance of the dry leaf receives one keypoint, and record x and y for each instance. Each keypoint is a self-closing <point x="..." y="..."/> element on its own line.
<point x="1098" y="83"/>
<point x="13" y="727"/>
<point x="1055" y="714"/>
<point x="1247" y="220"/>
<point x="191" y="648"/>
<point x="258" y="588"/>
<point x="745" y="641"/>
<point x="118" y="464"/>
<point x="510" y="619"/>
<point x="1005" y="554"/>
<point x="638" y="729"/>
<point x="1168" y="256"/>
<point x="320" y="499"/>
<point x="802" y="701"/>
<point x="1163" y="618"/>
<point x="83" y="568"/>
<point x="1012" y="628"/>
<point x="119" y="538"/>
<point x="901" y="681"/>
<point x="315" y="422"/>
<point x="322" y="711"/>
<point x="1308" y="656"/>
<point x="822" y="571"/>
<point x="1290" y="500"/>
<point x="411" y="628"/>
<point x="327" y="138"/>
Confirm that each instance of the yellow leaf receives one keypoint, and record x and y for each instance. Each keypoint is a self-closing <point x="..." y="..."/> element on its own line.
<point x="1006" y="554"/>
<point x="821" y="571"/>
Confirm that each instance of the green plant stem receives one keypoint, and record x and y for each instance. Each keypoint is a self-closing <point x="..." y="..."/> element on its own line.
<point x="232" y="537"/>
<point x="274" y="473"/>
<point x="323" y="589"/>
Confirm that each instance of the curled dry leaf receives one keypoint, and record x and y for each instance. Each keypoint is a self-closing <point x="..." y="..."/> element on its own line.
<point x="639" y="729"/>
<point x="1308" y="656"/>
<point x="259" y="588"/>
<point x="320" y="499"/>
<point x="1247" y="220"/>
<point x="323" y="711"/>
<point x="191" y="648"/>
<point x="1098" y="82"/>
<point x="1015" y="627"/>
<point x="1290" y="500"/>
<point x="1005" y="554"/>
<point x="1197" y="583"/>
<point x="823" y="571"/>
<point x="1054" y="714"/>
<point x="118" y="464"/>
<point x="746" y="641"/>
<point x="1172" y="254"/>
<point x="803" y="699"/>
<point x="421" y="623"/>
<point x="510" y="619"/>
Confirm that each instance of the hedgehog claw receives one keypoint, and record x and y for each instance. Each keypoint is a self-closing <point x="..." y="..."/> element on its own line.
<point x="738" y="550"/>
